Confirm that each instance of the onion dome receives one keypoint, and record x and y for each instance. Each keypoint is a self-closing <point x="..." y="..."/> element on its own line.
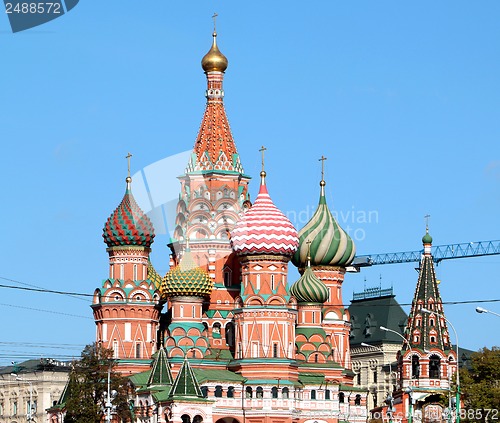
<point x="264" y="229"/>
<point x="214" y="60"/>
<point x="309" y="289"/>
<point x="153" y="275"/>
<point x="128" y="224"/>
<point x="329" y="243"/>
<point x="427" y="239"/>
<point x="186" y="279"/>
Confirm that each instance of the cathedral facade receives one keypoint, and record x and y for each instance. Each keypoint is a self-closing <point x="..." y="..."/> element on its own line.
<point x="224" y="336"/>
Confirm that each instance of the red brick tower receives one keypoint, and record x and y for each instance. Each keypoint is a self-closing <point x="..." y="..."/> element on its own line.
<point x="264" y="240"/>
<point x="331" y="249"/>
<point x="126" y="308"/>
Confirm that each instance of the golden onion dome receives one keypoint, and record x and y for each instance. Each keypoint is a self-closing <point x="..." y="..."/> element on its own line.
<point x="214" y="60"/>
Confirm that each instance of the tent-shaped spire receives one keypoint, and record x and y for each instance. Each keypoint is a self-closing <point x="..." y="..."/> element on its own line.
<point x="160" y="373"/>
<point x="185" y="385"/>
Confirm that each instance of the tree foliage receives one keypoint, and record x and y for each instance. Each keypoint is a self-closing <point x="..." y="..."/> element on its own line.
<point x="88" y="385"/>
<point x="480" y="386"/>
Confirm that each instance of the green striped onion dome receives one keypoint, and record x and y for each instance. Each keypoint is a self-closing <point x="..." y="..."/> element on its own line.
<point x="128" y="224"/>
<point x="329" y="243"/>
<point x="309" y="289"/>
<point x="186" y="279"/>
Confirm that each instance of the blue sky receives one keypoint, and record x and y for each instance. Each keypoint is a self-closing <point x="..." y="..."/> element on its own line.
<point x="401" y="97"/>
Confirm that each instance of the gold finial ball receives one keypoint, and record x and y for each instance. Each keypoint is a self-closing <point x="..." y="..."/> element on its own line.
<point x="322" y="183"/>
<point x="263" y="174"/>
<point x="128" y="179"/>
<point x="214" y="60"/>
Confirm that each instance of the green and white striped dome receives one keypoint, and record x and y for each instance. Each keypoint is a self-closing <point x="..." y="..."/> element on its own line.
<point x="309" y="289"/>
<point x="329" y="244"/>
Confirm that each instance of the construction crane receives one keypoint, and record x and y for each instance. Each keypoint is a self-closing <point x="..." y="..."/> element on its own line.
<point x="439" y="253"/>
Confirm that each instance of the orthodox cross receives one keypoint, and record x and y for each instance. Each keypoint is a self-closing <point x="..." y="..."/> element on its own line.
<point x="322" y="160"/>
<point x="426" y="217"/>
<point x="214" y="17"/>
<point x="262" y="149"/>
<point x="128" y="156"/>
<point x="308" y="242"/>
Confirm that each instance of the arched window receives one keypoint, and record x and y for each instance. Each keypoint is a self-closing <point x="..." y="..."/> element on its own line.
<point x="185" y="418"/>
<point x="341" y="397"/>
<point x="357" y="400"/>
<point x="285" y="393"/>
<point x="138" y="350"/>
<point x="230" y="334"/>
<point x="204" y="391"/>
<point x="198" y="419"/>
<point x="218" y="391"/>
<point x="434" y="367"/>
<point x="274" y="392"/>
<point x="315" y="358"/>
<point x="259" y="392"/>
<point x="415" y="367"/>
<point x="313" y="394"/>
<point x="248" y="392"/>
<point x="327" y="394"/>
<point x="230" y="392"/>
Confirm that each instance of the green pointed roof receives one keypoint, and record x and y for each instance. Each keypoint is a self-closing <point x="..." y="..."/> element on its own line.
<point x="422" y="328"/>
<point x="309" y="289"/>
<point x="329" y="244"/>
<point x="160" y="373"/>
<point x="187" y="279"/>
<point x="153" y="275"/>
<point x="185" y="385"/>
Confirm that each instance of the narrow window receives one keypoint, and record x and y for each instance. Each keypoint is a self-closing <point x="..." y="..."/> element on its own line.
<point x="357" y="400"/>
<point x="275" y="350"/>
<point x="259" y="392"/>
<point x="258" y="281"/>
<point x="285" y="393"/>
<point x="341" y="397"/>
<point x="272" y="282"/>
<point x="122" y="271"/>
<point x="327" y="394"/>
<point x="375" y="377"/>
<point x="138" y="350"/>
<point x="227" y="278"/>
<point x="230" y="392"/>
<point x="358" y="378"/>
<point x="248" y="392"/>
<point x="115" y="349"/>
<point x="135" y="272"/>
<point x="218" y="391"/>
<point x="274" y="392"/>
<point x="315" y="358"/>
<point x="313" y="394"/>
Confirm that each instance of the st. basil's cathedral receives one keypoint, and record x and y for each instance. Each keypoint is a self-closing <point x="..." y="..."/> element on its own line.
<point x="224" y="336"/>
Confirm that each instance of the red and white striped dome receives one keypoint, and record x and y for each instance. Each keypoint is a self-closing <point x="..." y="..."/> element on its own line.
<point x="264" y="229"/>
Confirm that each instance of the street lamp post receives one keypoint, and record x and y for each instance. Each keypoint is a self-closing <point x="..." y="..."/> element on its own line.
<point x="483" y="310"/>
<point x="402" y="337"/>
<point x="409" y="391"/>
<point x="29" y="411"/>
<point x="457" y="419"/>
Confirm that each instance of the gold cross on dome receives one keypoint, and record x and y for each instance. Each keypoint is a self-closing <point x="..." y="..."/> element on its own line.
<point x="128" y="156"/>
<point x="322" y="160"/>
<point x="214" y="17"/>
<point x="262" y="149"/>
<point x="426" y="217"/>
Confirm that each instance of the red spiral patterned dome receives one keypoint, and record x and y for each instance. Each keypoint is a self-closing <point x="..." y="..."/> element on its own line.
<point x="128" y="224"/>
<point x="264" y="229"/>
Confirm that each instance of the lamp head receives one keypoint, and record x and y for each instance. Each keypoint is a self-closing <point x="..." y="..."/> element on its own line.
<point x="384" y="328"/>
<point x="481" y="310"/>
<point x="425" y="310"/>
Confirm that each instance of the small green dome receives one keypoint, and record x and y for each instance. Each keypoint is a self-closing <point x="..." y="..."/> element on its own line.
<point x="309" y="289"/>
<point x="427" y="239"/>
<point x="186" y="279"/>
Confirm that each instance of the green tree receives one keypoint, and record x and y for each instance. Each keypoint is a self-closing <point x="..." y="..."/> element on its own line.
<point x="88" y="385"/>
<point x="480" y="386"/>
